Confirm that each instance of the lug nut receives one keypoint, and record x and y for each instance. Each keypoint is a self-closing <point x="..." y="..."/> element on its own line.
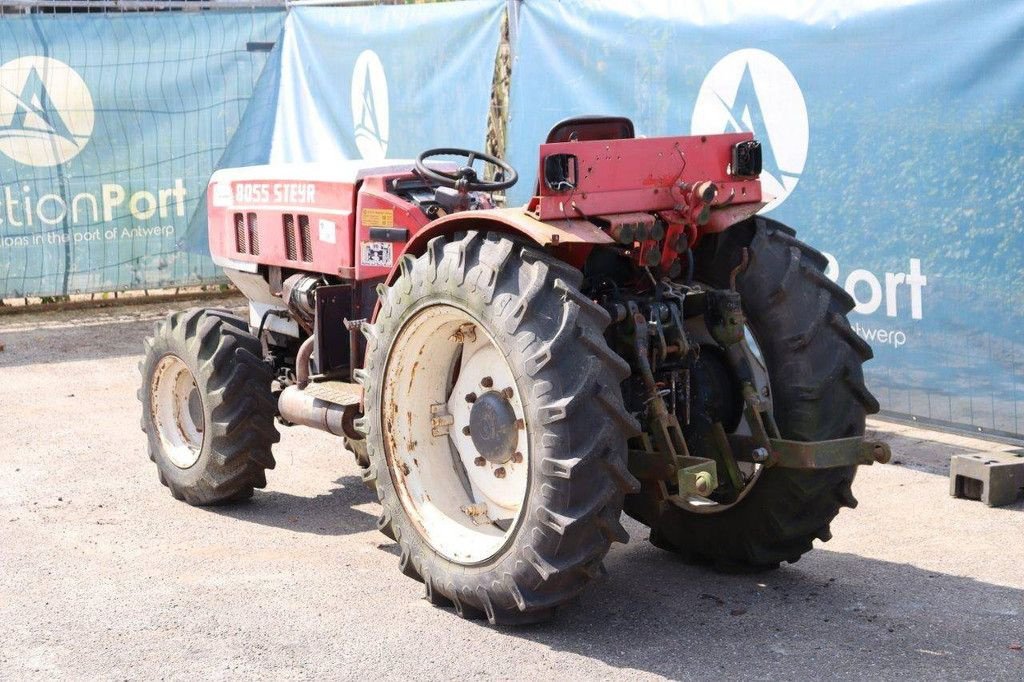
<point x="487" y="382"/>
<point x="507" y="393"/>
<point x="760" y="455"/>
<point x="499" y="472"/>
<point x="471" y="397"/>
<point x="465" y="430"/>
<point x="479" y="461"/>
<point x="517" y="457"/>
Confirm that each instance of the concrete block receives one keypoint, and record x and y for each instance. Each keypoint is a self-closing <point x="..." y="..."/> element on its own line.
<point x="995" y="478"/>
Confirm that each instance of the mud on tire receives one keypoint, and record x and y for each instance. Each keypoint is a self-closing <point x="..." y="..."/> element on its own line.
<point x="231" y="406"/>
<point x="577" y="426"/>
<point x="814" y="358"/>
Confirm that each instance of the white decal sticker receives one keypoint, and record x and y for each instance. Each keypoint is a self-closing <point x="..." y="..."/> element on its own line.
<point x="378" y="254"/>
<point x="328" y="231"/>
<point x="222" y="196"/>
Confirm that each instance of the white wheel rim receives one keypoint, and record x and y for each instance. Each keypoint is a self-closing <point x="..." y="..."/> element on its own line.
<point x="445" y="371"/>
<point x="177" y="411"/>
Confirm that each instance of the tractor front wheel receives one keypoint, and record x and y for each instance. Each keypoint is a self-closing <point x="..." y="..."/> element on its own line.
<point x="495" y="428"/>
<point x="207" y="408"/>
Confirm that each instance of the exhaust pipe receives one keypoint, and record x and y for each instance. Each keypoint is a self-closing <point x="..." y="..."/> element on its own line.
<point x="299" y="407"/>
<point x="296" y="405"/>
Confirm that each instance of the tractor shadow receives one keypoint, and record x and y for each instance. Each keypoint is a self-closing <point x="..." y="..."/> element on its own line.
<point x="330" y="513"/>
<point x="832" y="615"/>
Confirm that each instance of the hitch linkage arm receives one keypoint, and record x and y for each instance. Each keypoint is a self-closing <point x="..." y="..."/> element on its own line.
<point x="821" y="454"/>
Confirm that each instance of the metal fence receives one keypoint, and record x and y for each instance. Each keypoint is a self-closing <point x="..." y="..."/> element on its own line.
<point x="12" y="7"/>
<point x="112" y="117"/>
<point x="113" y="114"/>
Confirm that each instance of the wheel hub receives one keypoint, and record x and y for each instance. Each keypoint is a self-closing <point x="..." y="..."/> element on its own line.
<point x="456" y="434"/>
<point x="492" y="427"/>
<point x="195" y="407"/>
<point x="177" y="411"/>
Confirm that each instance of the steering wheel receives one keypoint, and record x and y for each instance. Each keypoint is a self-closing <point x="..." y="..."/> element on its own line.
<point x="465" y="179"/>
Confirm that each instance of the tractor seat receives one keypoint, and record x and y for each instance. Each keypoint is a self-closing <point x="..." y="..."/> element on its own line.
<point x="585" y="128"/>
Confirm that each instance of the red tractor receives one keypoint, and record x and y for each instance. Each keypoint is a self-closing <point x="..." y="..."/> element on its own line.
<point x="511" y="379"/>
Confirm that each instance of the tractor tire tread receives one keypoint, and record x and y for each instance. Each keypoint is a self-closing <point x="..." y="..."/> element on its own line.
<point x="808" y="341"/>
<point x="224" y="358"/>
<point x="572" y="517"/>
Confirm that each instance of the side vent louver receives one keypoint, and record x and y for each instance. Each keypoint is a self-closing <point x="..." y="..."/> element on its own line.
<point x="297" y="246"/>
<point x="239" y="233"/>
<point x="247" y="234"/>
<point x="254" y="234"/>
<point x="289" y="237"/>
<point x="307" y="244"/>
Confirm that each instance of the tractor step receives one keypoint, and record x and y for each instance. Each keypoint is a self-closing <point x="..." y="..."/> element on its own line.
<point x="337" y="392"/>
<point x="994" y="478"/>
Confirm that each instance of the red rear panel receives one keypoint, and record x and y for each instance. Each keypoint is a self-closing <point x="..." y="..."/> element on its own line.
<point x="622" y="176"/>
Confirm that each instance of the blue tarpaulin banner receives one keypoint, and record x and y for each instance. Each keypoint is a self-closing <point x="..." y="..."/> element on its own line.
<point x="385" y="81"/>
<point x="892" y="137"/>
<point x="110" y="125"/>
<point x="369" y="82"/>
<point x="891" y="134"/>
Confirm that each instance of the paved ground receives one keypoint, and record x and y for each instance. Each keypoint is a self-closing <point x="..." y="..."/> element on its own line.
<point x="103" y="574"/>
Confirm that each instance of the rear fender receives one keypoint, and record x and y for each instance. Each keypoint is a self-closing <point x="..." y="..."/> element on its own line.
<point x="723" y="218"/>
<point x="570" y="239"/>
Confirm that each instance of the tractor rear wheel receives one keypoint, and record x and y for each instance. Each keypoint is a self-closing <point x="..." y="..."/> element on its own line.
<point x="495" y="427"/>
<point x="358" y="450"/>
<point x="207" y="408"/>
<point x="798" y="319"/>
